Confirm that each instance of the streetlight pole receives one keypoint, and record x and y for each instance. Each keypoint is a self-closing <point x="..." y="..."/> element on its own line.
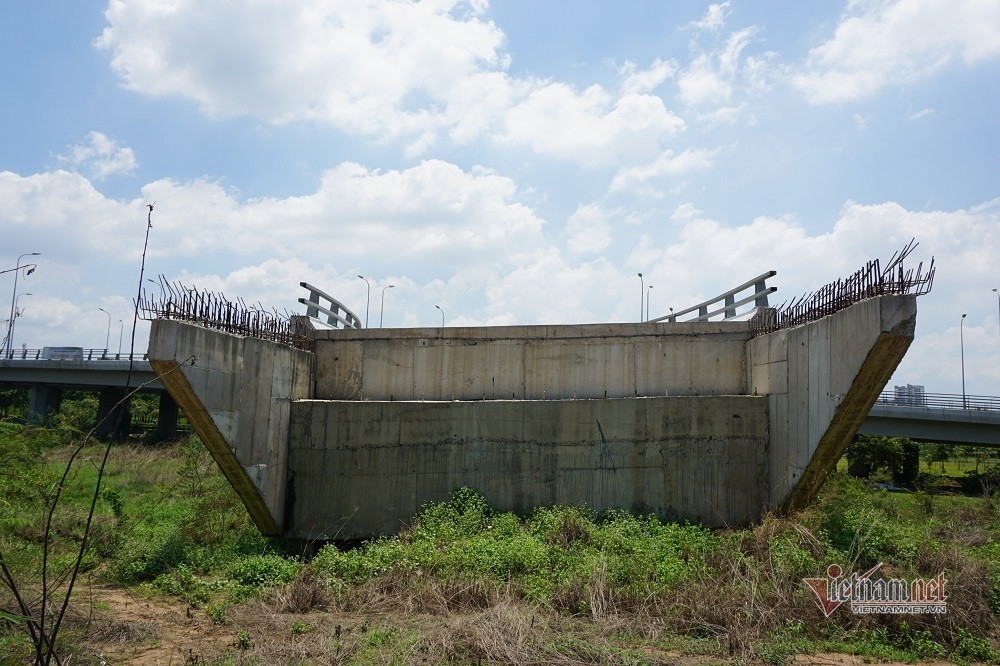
<point x="368" y="299"/>
<point x="642" y="290"/>
<point x="382" y="310"/>
<point x="107" y="336"/>
<point x="13" y="297"/>
<point x="17" y="313"/>
<point x="163" y="294"/>
<point x="647" y="301"/>
<point x="121" y="330"/>
<point x="995" y="291"/>
<point x="961" y="339"/>
<point x="442" y="315"/>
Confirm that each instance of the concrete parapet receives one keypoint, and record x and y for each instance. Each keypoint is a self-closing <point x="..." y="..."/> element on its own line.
<point x="532" y="362"/>
<point x="237" y="393"/>
<point x="363" y="468"/>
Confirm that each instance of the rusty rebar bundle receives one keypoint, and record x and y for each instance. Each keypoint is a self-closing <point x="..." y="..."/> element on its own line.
<point x="214" y="310"/>
<point x="864" y="283"/>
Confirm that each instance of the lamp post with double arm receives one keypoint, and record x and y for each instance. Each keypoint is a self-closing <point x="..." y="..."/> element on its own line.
<point x="13" y="297"/>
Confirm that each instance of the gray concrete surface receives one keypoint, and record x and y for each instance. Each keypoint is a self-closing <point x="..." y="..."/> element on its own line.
<point x="237" y="394"/>
<point x="362" y="468"/>
<point x="686" y="420"/>
<point x="532" y="362"/>
<point x="931" y="424"/>
<point x="821" y="379"/>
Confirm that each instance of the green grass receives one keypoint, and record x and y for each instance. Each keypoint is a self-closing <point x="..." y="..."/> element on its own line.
<point x="562" y="583"/>
<point x="165" y="520"/>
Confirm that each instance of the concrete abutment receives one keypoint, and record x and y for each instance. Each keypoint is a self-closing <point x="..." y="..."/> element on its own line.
<point x="696" y="420"/>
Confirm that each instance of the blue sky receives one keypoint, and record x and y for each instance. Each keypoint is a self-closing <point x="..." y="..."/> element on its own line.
<point x="516" y="162"/>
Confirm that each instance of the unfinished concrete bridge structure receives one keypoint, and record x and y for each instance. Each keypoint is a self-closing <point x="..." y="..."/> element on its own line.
<point x="344" y="433"/>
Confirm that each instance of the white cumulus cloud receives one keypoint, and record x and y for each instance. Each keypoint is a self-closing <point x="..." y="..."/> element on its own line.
<point x="882" y="43"/>
<point x="100" y="157"/>
<point x="715" y="17"/>
<point x="372" y="68"/>
<point x="592" y="126"/>
<point x="637" y="178"/>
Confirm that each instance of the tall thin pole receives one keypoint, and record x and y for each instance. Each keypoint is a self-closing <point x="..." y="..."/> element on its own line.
<point x="368" y="299"/>
<point x="121" y="331"/>
<point x="107" y="336"/>
<point x="442" y="315"/>
<point x="997" y="292"/>
<point x="13" y="296"/>
<point x="17" y="313"/>
<point x="382" y="309"/>
<point x="163" y="294"/>
<point x="647" y="301"/>
<point x="961" y="339"/>
<point x="107" y="450"/>
<point x="642" y="292"/>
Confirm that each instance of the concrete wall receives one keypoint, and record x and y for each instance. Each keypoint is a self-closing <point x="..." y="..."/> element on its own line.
<point x="362" y="468"/>
<point x="237" y="393"/>
<point x="694" y="419"/>
<point x="532" y="362"/>
<point x="821" y="379"/>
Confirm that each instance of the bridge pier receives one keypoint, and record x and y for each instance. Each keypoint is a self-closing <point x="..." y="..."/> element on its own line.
<point x="166" y="419"/>
<point x="113" y="420"/>
<point x="42" y="399"/>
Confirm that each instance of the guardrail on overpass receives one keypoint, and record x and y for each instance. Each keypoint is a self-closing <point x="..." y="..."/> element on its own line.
<point x="936" y="417"/>
<point x="940" y="401"/>
<point x="88" y="355"/>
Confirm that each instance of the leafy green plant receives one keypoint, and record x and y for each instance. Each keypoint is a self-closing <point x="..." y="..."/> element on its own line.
<point x="264" y="570"/>
<point x="218" y="612"/>
<point x="969" y="649"/>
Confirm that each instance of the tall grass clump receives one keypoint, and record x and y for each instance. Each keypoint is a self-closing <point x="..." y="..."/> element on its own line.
<point x="650" y="578"/>
<point x="562" y="556"/>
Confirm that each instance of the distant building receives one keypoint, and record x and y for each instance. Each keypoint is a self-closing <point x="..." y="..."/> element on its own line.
<point x="911" y="395"/>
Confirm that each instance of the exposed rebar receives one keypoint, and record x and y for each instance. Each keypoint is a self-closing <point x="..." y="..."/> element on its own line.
<point x="864" y="283"/>
<point x="214" y="310"/>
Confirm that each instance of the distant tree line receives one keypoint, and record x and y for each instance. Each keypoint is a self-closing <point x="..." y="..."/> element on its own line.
<point x="896" y="460"/>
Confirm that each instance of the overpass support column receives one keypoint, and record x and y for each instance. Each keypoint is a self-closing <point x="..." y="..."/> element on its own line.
<point x="42" y="399"/>
<point x="911" y="464"/>
<point x="113" y="419"/>
<point x="166" y="419"/>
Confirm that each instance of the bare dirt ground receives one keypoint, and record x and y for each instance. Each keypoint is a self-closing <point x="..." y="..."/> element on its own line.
<point x="123" y="628"/>
<point x="127" y="629"/>
<point x="835" y="659"/>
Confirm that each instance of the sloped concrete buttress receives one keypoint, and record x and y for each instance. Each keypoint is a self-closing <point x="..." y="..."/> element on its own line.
<point x="237" y="393"/>
<point x="821" y="379"/>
